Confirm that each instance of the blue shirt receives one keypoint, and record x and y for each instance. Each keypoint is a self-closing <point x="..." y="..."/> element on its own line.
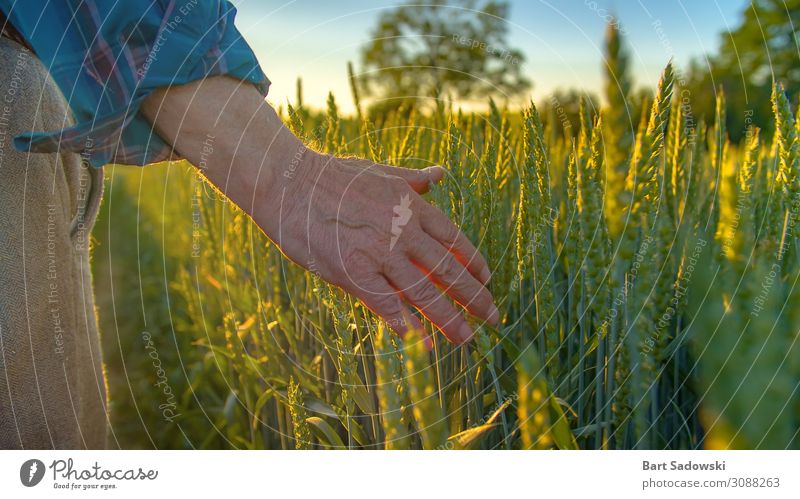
<point x="107" y="56"/>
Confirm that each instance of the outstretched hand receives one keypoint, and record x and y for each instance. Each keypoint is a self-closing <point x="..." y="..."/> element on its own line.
<point x="365" y="228"/>
<point x="358" y="225"/>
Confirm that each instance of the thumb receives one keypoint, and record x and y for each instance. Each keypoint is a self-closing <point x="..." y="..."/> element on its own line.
<point x="419" y="180"/>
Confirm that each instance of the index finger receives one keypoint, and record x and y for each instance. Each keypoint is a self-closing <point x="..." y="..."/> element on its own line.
<point x="439" y="227"/>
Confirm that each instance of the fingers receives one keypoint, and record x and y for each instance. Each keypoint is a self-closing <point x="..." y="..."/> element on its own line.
<point x="455" y="280"/>
<point x="425" y="297"/>
<point x="380" y="297"/>
<point x="439" y="227"/>
<point x="419" y="180"/>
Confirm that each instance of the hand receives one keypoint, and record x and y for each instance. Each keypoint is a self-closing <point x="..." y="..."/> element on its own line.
<point x="358" y="225"/>
<point x="364" y="227"/>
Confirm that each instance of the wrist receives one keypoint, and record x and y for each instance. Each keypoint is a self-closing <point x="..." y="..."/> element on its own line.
<point x="262" y="163"/>
<point x="269" y="186"/>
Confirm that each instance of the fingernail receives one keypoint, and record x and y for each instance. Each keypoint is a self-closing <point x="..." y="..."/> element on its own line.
<point x="485" y="276"/>
<point x="436" y="173"/>
<point x="494" y="316"/>
<point x="465" y="333"/>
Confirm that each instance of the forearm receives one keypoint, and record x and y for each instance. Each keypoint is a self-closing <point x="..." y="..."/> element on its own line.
<point x="226" y="129"/>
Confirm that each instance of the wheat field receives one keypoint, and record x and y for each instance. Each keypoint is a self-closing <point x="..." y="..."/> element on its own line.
<point x="646" y="273"/>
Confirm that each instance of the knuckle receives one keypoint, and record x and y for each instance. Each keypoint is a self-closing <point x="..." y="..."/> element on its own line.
<point x="398" y="184"/>
<point x="386" y="303"/>
<point x="472" y="295"/>
<point x="468" y="293"/>
<point x="450" y="269"/>
<point x="481" y="300"/>
<point x="357" y="263"/>
<point x="426" y="294"/>
<point x="393" y="266"/>
<point x="416" y="236"/>
<point x="451" y="233"/>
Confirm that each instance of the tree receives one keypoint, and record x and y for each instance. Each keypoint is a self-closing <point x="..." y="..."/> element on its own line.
<point x="764" y="47"/>
<point x="442" y="49"/>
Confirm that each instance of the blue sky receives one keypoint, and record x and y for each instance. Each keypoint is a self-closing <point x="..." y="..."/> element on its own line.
<point x="562" y="40"/>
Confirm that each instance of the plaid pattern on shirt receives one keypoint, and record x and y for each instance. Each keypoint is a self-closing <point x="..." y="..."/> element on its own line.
<point x="108" y="56"/>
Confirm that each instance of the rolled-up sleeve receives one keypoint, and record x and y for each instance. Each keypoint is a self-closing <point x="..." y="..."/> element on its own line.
<point x="107" y="57"/>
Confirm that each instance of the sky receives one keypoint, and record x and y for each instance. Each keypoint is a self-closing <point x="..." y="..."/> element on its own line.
<point x="562" y="40"/>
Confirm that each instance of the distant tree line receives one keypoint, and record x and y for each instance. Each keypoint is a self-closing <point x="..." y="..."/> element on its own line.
<point x="458" y="49"/>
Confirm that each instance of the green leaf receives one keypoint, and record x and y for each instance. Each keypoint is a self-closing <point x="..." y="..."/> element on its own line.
<point x="325" y="433"/>
<point x="319" y="407"/>
<point x="363" y="399"/>
<point x="358" y="433"/>
<point x="562" y="434"/>
<point x="262" y="400"/>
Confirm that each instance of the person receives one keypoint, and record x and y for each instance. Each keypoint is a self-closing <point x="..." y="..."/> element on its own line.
<point x="86" y="83"/>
